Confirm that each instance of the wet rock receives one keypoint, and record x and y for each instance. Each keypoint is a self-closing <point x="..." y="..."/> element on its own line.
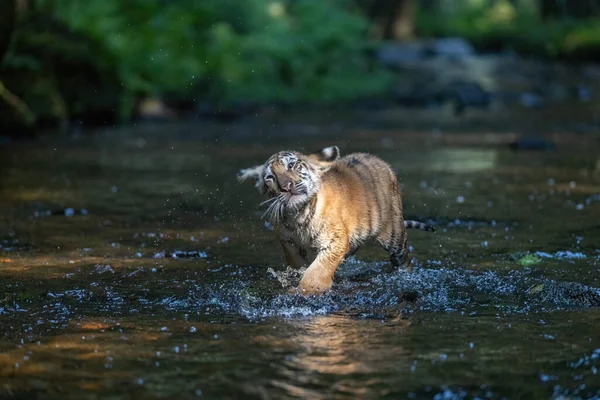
<point x="453" y="47"/>
<point x="395" y="55"/>
<point x="181" y="254"/>
<point x="436" y="72"/>
<point x="414" y="94"/>
<point x="427" y="69"/>
<point x="370" y="104"/>
<point x="410" y="296"/>
<point x="464" y="94"/>
<point x="67" y="212"/>
<point x="583" y="93"/>
<point x="531" y="100"/>
<point x="532" y="143"/>
<point x="402" y="54"/>
<point x="13" y="244"/>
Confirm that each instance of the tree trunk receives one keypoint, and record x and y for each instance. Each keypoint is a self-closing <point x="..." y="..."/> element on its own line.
<point x="7" y="24"/>
<point x="402" y="21"/>
<point x="394" y="19"/>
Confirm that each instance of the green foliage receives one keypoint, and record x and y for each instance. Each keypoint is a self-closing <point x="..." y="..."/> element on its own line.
<point x="54" y="73"/>
<point x="501" y="24"/>
<point x="308" y="50"/>
<point x="225" y="50"/>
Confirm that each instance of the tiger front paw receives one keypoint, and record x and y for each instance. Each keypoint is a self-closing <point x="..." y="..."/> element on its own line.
<point x="314" y="285"/>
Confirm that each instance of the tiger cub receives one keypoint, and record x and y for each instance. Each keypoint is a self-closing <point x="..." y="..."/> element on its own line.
<point x="324" y="208"/>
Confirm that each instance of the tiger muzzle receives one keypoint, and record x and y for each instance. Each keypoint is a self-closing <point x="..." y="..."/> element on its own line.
<point x="286" y="185"/>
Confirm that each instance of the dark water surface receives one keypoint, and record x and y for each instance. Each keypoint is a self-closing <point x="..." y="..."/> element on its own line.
<point x="133" y="264"/>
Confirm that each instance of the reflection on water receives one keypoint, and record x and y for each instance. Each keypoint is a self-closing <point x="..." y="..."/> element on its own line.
<point x="320" y="357"/>
<point x="161" y="288"/>
<point x="462" y="160"/>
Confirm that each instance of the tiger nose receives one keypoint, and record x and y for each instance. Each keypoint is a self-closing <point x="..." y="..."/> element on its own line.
<point x="286" y="185"/>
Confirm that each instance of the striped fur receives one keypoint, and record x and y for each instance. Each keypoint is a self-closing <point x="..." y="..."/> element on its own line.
<point x="322" y="158"/>
<point x="325" y="211"/>
<point x="418" y="225"/>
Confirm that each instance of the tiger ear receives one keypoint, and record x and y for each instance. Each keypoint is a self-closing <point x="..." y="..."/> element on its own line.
<point x="329" y="154"/>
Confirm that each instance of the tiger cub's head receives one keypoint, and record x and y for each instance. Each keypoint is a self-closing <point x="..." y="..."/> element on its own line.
<point x="290" y="178"/>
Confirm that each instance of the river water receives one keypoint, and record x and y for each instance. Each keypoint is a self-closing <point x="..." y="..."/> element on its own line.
<point x="132" y="263"/>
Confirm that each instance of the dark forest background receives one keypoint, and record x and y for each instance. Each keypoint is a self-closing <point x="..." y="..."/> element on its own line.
<point x="106" y="61"/>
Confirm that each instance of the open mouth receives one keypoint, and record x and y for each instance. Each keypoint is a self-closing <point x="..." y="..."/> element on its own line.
<point x="291" y="195"/>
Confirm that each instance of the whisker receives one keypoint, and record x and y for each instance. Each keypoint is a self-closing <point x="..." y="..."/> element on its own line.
<point x="272" y="212"/>
<point x="268" y="201"/>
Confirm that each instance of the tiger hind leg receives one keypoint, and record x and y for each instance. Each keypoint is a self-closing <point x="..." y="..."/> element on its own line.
<point x="394" y="241"/>
<point x="399" y="257"/>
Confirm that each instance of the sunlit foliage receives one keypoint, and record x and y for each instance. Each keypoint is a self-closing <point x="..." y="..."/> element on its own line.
<point x="227" y="50"/>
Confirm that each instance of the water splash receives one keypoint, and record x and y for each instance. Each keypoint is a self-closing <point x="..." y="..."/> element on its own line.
<point x="382" y="295"/>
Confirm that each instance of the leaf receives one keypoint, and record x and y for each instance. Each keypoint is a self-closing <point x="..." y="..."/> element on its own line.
<point x="536" y="289"/>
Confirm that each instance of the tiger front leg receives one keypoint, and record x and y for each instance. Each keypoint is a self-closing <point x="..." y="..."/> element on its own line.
<point x="294" y="256"/>
<point x="318" y="277"/>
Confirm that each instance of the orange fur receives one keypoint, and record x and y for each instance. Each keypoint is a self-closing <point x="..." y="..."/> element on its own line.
<point x="324" y="210"/>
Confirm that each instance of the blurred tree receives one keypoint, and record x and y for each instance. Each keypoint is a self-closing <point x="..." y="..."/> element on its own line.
<point x="226" y="50"/>
<point x="7" y="23"/>
<point x="17" y="108"/>
<point x="73" y="58"/>
<point x="550" y="9"/>
<point x="394" y="19"/>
